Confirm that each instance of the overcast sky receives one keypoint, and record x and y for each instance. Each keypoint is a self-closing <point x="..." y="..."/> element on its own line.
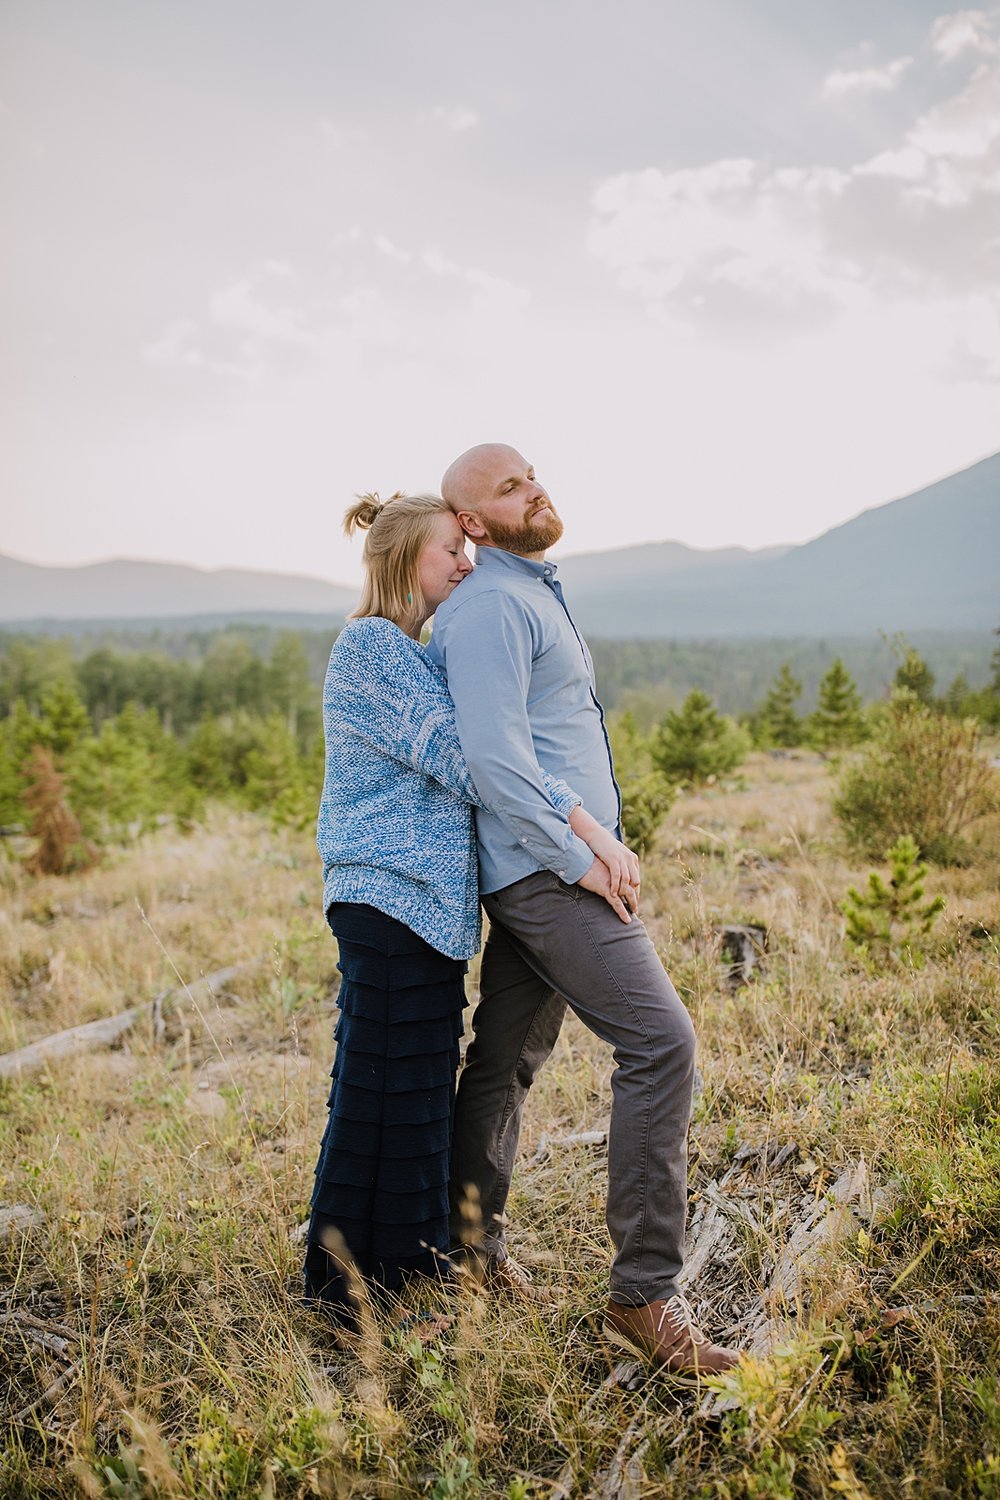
<point x="727" y="272"/>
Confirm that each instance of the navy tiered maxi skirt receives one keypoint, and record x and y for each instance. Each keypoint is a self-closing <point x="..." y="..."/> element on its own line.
<point x="381" y="1189"/>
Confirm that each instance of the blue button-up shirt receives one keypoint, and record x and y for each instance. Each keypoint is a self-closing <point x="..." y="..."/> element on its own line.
<point x="523" y="685"/>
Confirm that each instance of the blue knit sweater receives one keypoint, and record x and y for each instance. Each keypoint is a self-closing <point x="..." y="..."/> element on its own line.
<point x="395" y="827"/>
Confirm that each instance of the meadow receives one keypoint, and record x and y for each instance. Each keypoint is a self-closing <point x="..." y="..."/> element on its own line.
<point x="844" y="1193"/>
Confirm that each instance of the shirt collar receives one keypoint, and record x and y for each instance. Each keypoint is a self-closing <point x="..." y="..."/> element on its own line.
<point x="496" y="557"/>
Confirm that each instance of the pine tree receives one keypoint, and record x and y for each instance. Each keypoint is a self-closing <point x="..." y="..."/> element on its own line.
<point x="890" y="918"/>
<point x="957" y="700"/>
<point x="231" y="677"/>
<point x="629" y="748"/>
<point x="914" y="674"/>
<point x="29" y="669"/>
<point x="837" y="720"/>
<point x="64" y="719"/>
<point x="18" y="735"/>
<point x="60" y="841"/>
<point x="779" y="720"/>
<point x="698" y="742"/>
<point x="278" y="779"/>
<point x="290" y="686"/>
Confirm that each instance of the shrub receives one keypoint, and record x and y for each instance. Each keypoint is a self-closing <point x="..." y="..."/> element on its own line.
<point x="698" y="742"/>
<point x="646" y="800"/>
<point x="647" y="795"/>
<point x="921" y="774"/>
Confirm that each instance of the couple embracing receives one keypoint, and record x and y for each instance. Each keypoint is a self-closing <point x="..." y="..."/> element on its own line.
<point x="478" y="769"/>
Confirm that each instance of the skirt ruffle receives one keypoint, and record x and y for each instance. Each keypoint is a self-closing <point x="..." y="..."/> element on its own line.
<point x="382" y="1175"/>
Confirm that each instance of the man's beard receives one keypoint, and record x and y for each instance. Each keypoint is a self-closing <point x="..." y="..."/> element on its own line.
<point x="526" y="538"/>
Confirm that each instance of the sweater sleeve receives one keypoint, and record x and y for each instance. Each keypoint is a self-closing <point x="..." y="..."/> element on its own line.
<point x="385" y="695"/>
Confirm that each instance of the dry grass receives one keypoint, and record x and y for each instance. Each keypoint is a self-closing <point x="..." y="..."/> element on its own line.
<point x="173" y="1172"/>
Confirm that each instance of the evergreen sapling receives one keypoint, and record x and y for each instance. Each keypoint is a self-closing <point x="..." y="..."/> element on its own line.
<point x="893" y="917"/>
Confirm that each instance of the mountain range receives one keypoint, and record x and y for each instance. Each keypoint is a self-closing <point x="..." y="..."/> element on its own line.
<point x="928" y="561"/>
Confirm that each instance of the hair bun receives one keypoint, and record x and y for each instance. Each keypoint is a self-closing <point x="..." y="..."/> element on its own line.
<point x="363" y="513"/>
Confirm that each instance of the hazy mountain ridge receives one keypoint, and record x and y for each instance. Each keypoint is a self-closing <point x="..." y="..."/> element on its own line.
<point x="123" y="588"/>
<point x="927" y="561"/>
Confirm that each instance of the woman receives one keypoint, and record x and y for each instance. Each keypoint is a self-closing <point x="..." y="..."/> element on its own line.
<point x="396" y="836"/>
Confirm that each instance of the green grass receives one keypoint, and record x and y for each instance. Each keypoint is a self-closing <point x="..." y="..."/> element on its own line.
<point x="173" y="1173"/>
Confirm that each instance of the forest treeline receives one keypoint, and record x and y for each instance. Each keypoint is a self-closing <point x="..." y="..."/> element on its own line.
<point x="648" y="676"/>
<point x="100" y="744"/>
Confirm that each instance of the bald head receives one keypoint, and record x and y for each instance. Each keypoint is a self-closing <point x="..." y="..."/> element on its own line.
<point x="493" y="491"/>
<point x="477" y="473"/>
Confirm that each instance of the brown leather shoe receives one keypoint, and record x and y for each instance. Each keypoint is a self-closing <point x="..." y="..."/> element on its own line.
<point x="666" y="1333"/>
<point x="503" y="1278"/>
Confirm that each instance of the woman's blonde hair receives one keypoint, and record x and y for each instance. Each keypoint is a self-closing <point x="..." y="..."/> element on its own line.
<point x="398" y="529"/>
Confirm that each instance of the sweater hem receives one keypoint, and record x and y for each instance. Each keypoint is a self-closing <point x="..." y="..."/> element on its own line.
<point x="414" y="906"/>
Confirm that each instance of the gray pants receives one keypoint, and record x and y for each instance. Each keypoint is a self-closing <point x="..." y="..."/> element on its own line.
<point x="551" y="944"/>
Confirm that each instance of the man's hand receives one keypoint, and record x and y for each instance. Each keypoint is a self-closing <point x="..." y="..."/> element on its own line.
<point x="599" y="880"/>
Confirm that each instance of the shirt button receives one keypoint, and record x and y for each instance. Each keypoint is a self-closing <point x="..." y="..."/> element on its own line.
<point x="524" y="841"/>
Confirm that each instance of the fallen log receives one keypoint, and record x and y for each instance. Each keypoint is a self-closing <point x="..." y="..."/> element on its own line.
<point x="18" y="1218"/>
<point x="95" y="1034"/>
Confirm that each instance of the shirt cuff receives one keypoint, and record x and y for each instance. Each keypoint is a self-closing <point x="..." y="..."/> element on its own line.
<point x="574" y="862"/>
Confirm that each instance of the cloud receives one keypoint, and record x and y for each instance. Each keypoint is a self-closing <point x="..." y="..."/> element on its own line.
<point x="736" y="242"/>
<point x="456" y="117"/>
<point x="242" y="323"/>
<point x="385" y="246"/>
<point x="865" y="80"/>
<point x="380" y="300"/>
<point x="240" y="306"/>
<point x="341" y="135"/>
<point x="493" y="292"/>
<point x="179" y="346"/>
<point x="722" y="234"/>
<point x="964" y="31"/>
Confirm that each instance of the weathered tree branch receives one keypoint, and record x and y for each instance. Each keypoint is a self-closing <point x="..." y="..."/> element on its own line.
<point x="96" y="1034"/>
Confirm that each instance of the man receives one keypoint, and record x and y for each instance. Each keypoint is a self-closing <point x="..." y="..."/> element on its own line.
<point x="523" y="685"/>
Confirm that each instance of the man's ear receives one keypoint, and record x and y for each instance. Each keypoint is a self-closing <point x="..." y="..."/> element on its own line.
<point x="471" y="525"/>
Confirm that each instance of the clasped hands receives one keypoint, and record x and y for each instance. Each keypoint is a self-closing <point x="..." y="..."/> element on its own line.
<point x="614" y="875"/>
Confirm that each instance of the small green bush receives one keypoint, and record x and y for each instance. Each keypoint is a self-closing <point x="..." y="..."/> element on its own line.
<point x="646" y="800"/>
<point x="921" y="774"/>
<point x="889" y="918"/>
<point x="647" y="795"/>
<point x="698" y="742"/>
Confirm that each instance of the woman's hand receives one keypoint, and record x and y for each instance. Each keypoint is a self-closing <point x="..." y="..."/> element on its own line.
<point x="623" y="865"/>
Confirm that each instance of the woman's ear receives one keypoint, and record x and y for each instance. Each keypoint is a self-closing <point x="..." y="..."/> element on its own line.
<point x="471" y="525"/>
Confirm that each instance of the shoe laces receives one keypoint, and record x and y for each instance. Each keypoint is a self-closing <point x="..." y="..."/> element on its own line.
<point x="678" y="1312"/>
<point x="515" y="1271"/>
